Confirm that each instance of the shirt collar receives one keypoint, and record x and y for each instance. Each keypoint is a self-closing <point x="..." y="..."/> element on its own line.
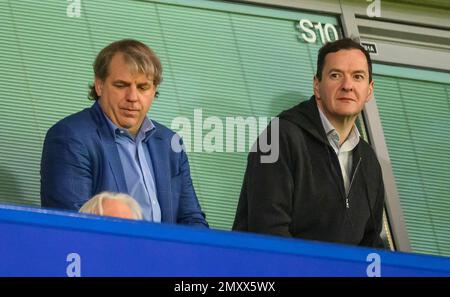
<point x="147" y="128"/>
<point x="332" y="135"/>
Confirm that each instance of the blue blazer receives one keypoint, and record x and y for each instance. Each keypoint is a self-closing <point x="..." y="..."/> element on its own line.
<point x="80" y="159"/>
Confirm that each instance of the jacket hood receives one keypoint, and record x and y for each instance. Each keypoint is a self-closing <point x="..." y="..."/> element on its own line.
<point x="306" y="116"/>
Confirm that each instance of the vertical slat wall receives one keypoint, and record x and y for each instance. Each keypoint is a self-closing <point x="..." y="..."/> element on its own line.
<point x="228" y="60"/>
<point x="416" y="121"/>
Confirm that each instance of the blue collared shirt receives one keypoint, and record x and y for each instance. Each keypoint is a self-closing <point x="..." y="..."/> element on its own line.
<point x="138" y="168"/>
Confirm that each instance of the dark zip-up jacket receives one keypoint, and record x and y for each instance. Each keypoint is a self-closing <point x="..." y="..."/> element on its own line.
<point x="302" y="193"/>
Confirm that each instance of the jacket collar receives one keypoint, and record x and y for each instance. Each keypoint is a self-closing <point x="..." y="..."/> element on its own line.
<point x="107" y="139"/>
<point x="306" y="116"/>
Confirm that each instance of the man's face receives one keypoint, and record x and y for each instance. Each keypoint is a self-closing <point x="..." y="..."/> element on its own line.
<point x="345" y="87"/>
<point x="125" y="97"/>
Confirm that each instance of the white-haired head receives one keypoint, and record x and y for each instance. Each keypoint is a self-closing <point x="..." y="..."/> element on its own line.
<point x="114" y="205"/>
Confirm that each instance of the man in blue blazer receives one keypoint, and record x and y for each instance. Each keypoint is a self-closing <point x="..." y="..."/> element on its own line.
<point x="113" y="146"/>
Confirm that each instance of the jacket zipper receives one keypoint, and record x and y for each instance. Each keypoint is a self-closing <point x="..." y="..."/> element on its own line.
<point x="347" y="204"/>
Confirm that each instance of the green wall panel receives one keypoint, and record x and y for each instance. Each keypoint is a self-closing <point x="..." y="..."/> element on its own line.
<point x="415" y="115"/>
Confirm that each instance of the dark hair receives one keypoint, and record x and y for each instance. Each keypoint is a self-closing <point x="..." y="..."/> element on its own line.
<point x="341" y="44"/>
<point x="137" y="55"/>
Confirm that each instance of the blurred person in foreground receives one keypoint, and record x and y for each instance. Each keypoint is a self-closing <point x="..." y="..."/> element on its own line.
<point x="111" y="204"/>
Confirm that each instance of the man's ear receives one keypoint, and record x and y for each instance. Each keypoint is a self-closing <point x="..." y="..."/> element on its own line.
<point x="370" y="91"/>
<point x="98" y="83"/>
<point x="316" y="87"/>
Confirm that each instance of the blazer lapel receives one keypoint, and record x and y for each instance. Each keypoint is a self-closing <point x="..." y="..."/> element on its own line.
<point x="111" y="152"/>
<point x="161" y="169"/>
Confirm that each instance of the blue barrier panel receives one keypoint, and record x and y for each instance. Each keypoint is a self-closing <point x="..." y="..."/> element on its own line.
<point x="40" y="242"/>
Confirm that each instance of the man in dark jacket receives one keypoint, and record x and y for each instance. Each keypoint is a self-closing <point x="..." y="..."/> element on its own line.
<point x="326" y="184"/>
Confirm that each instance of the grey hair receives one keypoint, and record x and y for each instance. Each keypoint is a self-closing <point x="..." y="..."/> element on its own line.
<point x="95" y="204"/>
